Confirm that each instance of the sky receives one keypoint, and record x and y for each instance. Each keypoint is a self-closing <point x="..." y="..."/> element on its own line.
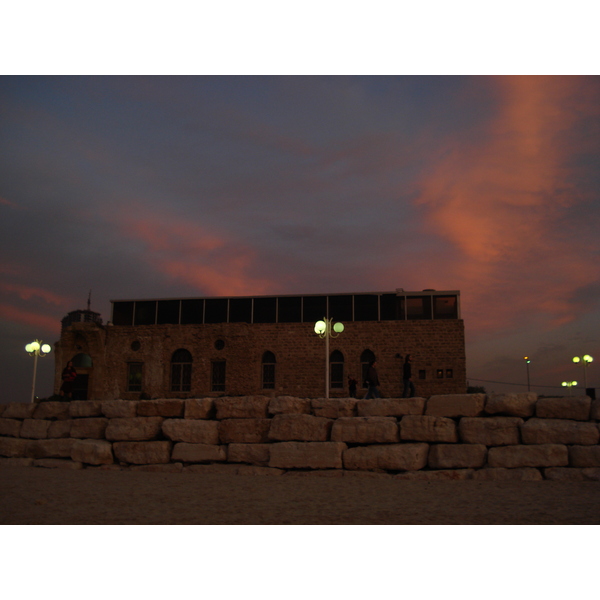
<point x="167" y="186"/>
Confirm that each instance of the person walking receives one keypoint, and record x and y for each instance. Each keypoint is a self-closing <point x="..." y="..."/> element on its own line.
<point x="409" y="386"/>
<point x="372" y="382"/>
<point x="68" y="376"/>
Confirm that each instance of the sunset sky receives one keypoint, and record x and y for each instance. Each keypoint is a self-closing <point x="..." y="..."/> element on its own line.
<point x="157" y="187"/>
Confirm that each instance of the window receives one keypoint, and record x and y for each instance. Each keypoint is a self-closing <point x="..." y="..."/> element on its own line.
<point x="366" y="308"/>
<point x="218" y="376"/>
<point x="122" y="313"/>
<point x="216" y="310"/>
<point x="365" y="361"/>
<point x="340" y="308"/>
<point x="268" y="371"/>
<point x="336" y="373"/>
<point x="168" y="312"/>
<point x="240" y="310"/>
<point x="181" y="371"/>
<point x="265" y="310"/>
<point x="145" y="313"/>
<point x="192" y="312"/>
<point x="418" y="307"/>
<point x="289" y="309"/>
<point x="391" y="307"/>
<point x="449" y="373"/>
<point x="445" y="307"/>
<point x="314" y="308"/>
<point x="134" y="377"/>
<point x="440" y="373"/>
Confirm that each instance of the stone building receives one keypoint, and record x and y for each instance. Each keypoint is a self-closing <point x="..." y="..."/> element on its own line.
<point x="202" y="347"/>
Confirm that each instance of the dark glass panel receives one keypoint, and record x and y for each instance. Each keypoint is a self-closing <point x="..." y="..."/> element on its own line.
<point x="122" y="313"/>
<point x="340" y="308"/>
<point x="445" y="307"/>
<point x="168" y="312"/>
<point x="192" y="311"/>
<point x="269" y="376"/>
<point x="336" y="356"/>
<point x="134" y="377"/>
<point x="365" y="308"/>
<point x="315" y="308"/>
<point x="268" y="357"/>
<point x="391" y="307"/>
<point x="418" y="307"/>
<point x="216" y="310"/>
<point x="337" y="376"/>
<point x="289" y="309"/>
<point x="145" y="313"/>
<point x="181" y="356"/>
<point x="265" y="310"/>
<point x="240" y="310"/>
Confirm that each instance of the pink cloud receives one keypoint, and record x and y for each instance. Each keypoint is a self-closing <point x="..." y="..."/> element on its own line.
<point x="26" y="293"/>
<point x="42" y="322"/>
<point x="501" y="204"/>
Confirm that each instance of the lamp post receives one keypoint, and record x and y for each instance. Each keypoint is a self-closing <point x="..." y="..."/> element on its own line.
<point x="569" y="384"/>
<point x="527" y="363"/>
<point x="35" y="349"/>
<point x="325" y="329"/>
<point x="586" y="359"/>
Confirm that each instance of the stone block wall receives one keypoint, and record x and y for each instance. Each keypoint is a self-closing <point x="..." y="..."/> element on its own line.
<point x="451" y="437"/>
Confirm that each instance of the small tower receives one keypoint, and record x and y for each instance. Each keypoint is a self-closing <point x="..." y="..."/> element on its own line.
<point x="81" y="316"/>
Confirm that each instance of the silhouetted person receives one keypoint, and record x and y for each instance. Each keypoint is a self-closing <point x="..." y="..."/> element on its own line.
<point x="68" y="377"/>
<point x="409" y="387"/>
<point x="372" y="382"/>
<point x="352" y="383"/>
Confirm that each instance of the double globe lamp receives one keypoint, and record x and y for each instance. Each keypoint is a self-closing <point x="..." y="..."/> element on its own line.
<point x="35" y="349"/>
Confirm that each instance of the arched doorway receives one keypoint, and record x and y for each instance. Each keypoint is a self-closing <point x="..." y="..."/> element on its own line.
<point x="83" y="365"/>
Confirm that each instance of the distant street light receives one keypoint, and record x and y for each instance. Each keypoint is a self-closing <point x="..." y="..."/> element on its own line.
<point x="586" y="359"/>
<point x="527" y="362"/>
<point x="35" y="349"/>
<point x="569" y="384"/>
<point x="324" y="330"/>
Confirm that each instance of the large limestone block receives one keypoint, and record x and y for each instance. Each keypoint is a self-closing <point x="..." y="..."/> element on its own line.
<point x="595" y="410"/>
<point x="50" y="448"/>
<point x="572" y="474"/>
<point x="119" y="409"/>
<point x="513" y="405"/>
<point x="92" y="452"/>
<point x="365" y="430"/>
<point x="35" y="429"/>
<point x="58" y="463"/>
<point x="542" y="455"/>
<point x="390" y="407"/>
<point x="143" y="453"/>
<point x="85" y="408"/>
<point x="288" y="405"/>
<point x="255" y="454"/>
<point x="13" y="447"/>
<point x="92" y="428"/>
<point x="133" y="429"/>
<point x="244" y="407"/>
<point x="244" y="431"/>
<point x="423" y="428"/>
<point x="10" y="427"/>
<point x="198" y="453"/>
<point x="456" y="405"/>
<point x="194" y="431"/>
<point x="301" y="428"/>
<point x="334" y="408"/>
<point x="52" y="410"/>
<point x="60" y="429"/>
<point x="559" y="431"/>
<point x="503" y="474"/>
<point x="19" y="410"/>
<point x="457" y="456"/>
<point x="392" y="457"/>
<point x="444" y="475"/>
<point x="161" y="408"/>
<point x="199" y="408"/>
<point x="490" y="431"/>
<point x="577" y="409"/>
<point x="584" y="456"/>
<point x="307" y="455"/>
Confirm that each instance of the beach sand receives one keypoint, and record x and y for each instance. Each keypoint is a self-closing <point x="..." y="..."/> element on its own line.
<point x="42" y="496"/>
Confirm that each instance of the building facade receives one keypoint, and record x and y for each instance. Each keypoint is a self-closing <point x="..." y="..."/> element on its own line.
<point x="200" y="347"/>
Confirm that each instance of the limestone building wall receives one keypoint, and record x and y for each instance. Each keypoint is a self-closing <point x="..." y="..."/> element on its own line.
<point x="437" y="348"/>
<point x="445" y="437"/>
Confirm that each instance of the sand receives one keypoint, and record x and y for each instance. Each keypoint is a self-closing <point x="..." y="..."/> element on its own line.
<point x="40" y="496"/>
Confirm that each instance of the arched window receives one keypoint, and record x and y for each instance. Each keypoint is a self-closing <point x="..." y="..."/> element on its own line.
<point x="181" y="371"/>
<point x="336" y="370"/>
<point x="365" y="360"/>
<point x="82" y="361"/>
<point x="268" y="371"/>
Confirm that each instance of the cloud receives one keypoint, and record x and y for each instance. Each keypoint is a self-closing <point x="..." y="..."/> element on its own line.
<point x="502" y="204"/>
<point x="43" y="322"/>
<point x="27" y="293"/>
<point x="211" y="262"/>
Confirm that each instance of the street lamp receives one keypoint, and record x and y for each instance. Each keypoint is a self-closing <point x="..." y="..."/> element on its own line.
<point x="569" y="384"/>
<point x="35" y="349"/>
<point x="586" y="359"/>
<point x="324" y="329"/>
<point x="527" y="362"/>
